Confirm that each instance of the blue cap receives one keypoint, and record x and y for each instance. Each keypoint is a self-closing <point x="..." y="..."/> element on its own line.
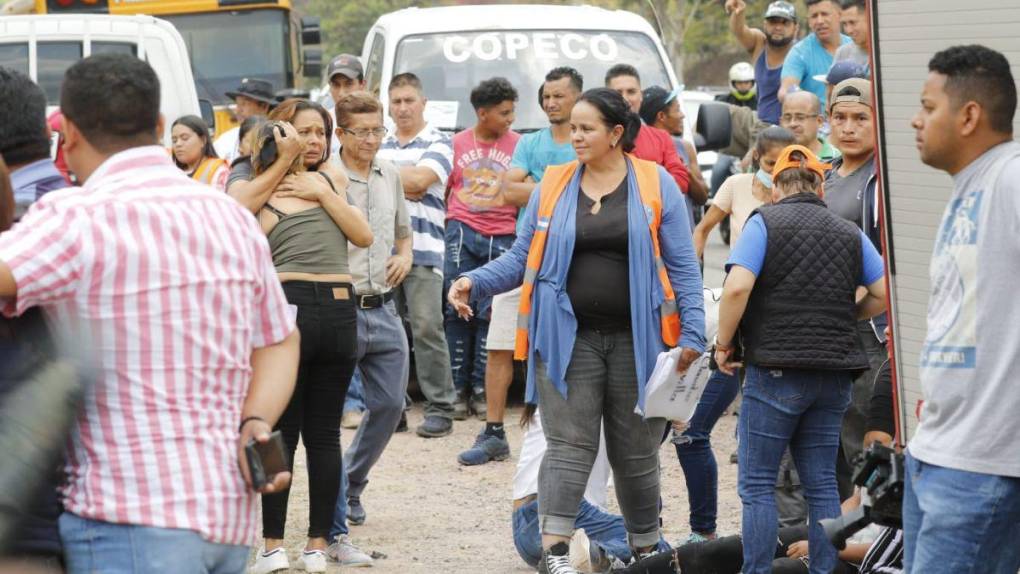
<point x="843" y="70"/>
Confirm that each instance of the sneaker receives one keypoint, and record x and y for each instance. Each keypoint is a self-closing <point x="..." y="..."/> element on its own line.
<point x="273" y="561"/>
<point x="312" y="561"/>
<point x="347" y="554"/>
<point x="556" y="560"/>
<point x="487" y="447"/>
<point x="351" y="419"/>
<point x="460" y="409"/>
<point x="402" y="424"/>
<point x="587" y="557"/>
<point x="355" y="511"/>
<point x="435" y="426"/>
<point x="478" y="405"/>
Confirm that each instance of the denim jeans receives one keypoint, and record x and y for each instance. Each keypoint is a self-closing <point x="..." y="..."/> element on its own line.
<point x="383" y="363"/>
<point x="603" y="529"/>
<point x="602" y="387"/>
<point x="467" y="250"/>
<point x="328" y="328"/>
<point x="340" y="512"/>
<point x="960" y="521"/>
<point x="355" y="400"/>
<point x="93" y="546"/>
<point x="421" y="298"/>
<point x="694" y="450"/>
<point x="802" y="409"/>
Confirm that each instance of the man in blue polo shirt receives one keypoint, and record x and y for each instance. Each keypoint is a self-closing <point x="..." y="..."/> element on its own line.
<point x="814" y="54"/>
<point x="534" y="152"/>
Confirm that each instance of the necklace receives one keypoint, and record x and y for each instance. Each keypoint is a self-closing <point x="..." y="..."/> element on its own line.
<point x="596" y="207"/>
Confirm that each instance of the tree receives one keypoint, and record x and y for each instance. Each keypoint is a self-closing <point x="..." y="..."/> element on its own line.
<point x="345" y="24"/>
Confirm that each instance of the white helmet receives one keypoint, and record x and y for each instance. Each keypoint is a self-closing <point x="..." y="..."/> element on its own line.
<point x="741" y="72"/>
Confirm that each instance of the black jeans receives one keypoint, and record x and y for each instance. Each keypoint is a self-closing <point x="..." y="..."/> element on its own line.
<point x="726" y="556"/>
<point x="328" y="325"/>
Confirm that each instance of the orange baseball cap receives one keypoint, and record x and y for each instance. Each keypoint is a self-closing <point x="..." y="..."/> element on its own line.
<point x="811" y="162"/>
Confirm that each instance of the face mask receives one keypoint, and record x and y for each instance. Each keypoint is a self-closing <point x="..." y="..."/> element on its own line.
<point x="765" y="178"/>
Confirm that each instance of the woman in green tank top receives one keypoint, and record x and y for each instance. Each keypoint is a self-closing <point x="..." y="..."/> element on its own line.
<point x="300" y="201"/>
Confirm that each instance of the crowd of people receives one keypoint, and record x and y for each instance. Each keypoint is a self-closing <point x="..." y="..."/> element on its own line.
<point x="279" y="282"/>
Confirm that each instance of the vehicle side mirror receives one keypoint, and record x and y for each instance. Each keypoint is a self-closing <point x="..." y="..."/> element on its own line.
<point x="312" y="63"/>
<point x="311" y="30"/>
<point x="208" y="114"/>
<point x="714" y="127"/>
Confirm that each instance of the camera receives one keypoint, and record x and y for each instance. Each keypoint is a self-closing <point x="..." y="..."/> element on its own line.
<point x="880" y="474"/>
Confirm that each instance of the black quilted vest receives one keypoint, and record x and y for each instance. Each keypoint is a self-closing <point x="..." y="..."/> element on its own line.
<point x="802" y="311"/>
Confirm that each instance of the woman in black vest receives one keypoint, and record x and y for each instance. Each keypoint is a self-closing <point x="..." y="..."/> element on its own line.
<point x="792" y="288"/>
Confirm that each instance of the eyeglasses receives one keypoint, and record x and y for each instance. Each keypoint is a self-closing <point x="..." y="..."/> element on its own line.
<point x="363" y="133"/>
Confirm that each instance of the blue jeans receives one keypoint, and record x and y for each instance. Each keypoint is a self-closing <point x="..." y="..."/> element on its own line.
<point x="960" y="521"/>
<point x="467" y="250"/>
<point x="95" y="547"/>
<point x="802" y="409"/>
<point x="355" y="400"/>
<point x="603" y="529"/>
<point x="695" y="451"/>
<point x="340" y="512"/>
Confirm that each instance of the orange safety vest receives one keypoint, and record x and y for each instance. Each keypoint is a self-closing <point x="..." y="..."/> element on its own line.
<point x="555" y="180"/>
<point x="207" y="170"/>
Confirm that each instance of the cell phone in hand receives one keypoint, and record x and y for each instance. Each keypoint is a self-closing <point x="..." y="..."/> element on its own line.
<point x="265" y="459"/>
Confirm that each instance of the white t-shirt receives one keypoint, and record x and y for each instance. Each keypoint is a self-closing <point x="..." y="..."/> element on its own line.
<point x="736" y="198"/>
<point x="226" y="145"/>
<point x="532" y="451"/>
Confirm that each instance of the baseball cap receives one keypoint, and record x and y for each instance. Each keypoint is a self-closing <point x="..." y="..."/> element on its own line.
<point x="346" y="64"/>
<point x="852" y="90"/>
<point x="654" y="99"/>
<point x="811" y="162"/>
<point x="781" y="9"/>
<point x="842" y="70"/>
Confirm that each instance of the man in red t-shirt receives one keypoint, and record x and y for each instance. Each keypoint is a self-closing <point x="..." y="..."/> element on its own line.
<point x="652" y="144"/>
<point x="480" y="226"/>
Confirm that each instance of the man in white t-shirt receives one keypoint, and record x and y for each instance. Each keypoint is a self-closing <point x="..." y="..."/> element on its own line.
<point x="252" y="98"/>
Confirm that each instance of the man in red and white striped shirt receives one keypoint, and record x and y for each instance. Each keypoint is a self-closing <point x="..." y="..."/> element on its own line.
<point x="170" y="286"/>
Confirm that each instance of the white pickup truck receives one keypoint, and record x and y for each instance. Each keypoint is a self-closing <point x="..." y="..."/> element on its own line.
<point x="45" y="46"/>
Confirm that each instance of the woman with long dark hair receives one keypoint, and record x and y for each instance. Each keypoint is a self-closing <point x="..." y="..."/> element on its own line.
<point x="193" y="152"/>
<point x="610" y="280"/>
<point x="300" y="201"/>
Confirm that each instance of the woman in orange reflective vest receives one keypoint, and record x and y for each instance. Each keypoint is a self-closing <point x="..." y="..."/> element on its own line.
<point x="610" y="280"/>
<point x="193" y="152"/>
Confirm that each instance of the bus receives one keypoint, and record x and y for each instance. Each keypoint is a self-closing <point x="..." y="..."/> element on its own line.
<point x="227" y="40"/>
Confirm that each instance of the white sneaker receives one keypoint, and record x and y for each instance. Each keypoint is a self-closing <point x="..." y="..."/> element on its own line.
<point x="268" y="562"/>
<point x="312" y="561"/>
<point x="347" y="554"/>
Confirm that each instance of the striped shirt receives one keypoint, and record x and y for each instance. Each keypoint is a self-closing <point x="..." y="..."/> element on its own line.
<point x="431" y="148"/>
<point x="170" y="285"/>
<point x="886" y="553"/>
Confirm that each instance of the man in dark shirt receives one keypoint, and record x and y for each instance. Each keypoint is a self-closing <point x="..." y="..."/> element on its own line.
<point x="850" y="189"/>
<point x="25" y="140"/>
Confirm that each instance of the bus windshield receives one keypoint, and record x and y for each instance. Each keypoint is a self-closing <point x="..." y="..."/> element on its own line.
<point x="226" y="47"/>
<point x="450" y="64"/>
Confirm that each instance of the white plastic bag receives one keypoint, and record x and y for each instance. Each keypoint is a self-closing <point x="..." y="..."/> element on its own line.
<point x="670" y="395"/>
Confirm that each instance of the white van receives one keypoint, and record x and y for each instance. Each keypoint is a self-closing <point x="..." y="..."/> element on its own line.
<point x="452" y="49"/>
<point x="44" y="47"/>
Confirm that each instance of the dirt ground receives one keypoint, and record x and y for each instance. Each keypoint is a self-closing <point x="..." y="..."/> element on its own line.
<point x="427" y="513"/>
